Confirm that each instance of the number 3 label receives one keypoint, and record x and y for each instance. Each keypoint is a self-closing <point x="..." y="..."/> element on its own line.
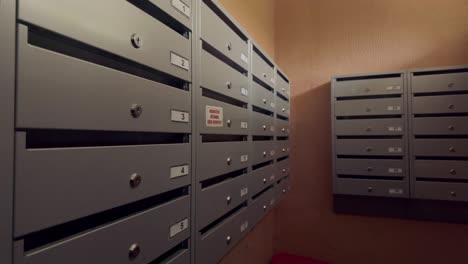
<point x="179" y="116"/>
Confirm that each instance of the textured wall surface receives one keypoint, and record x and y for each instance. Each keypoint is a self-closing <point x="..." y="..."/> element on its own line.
<point x="317" y="39"/>
<point x="257" y="17"/>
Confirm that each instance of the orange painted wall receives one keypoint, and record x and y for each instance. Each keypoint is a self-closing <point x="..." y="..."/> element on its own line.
<point x="317" y="39"/>
<point x="257" y="18"/>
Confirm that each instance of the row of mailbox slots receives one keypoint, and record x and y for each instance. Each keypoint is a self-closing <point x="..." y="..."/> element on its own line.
<point x="162" y="240"/>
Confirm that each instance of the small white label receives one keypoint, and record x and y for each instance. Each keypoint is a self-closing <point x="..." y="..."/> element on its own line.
<point x="395" y="170"/>
<point x="179" y="227"/>
<point x="272" y="105"/>
<point x="244" y="192"/>
<point x="272" y="80"/>
<point x="395" y="150"/>
<point x="244" y="226"/>
<point x="272" y="202"/>
<point x="272" y="152"/>
<point x="398" y="191"/>
<point x="244" y="158"/>
<point x="394" y="108"/>
<point x="272" y="129"/>
<point x="391" y="88"/>
<point x="180" y="116"/>
<point x="244" y="92"/>
<point x="182" y="7"/>
<point x="179" y="171"/>
<point x="244" y="125"/>
<point x="244" y="58"/>
<point x="214" y="116"/>
<point x="180" y="61"/>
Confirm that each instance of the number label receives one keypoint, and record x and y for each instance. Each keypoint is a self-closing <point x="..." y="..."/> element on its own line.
<point x="180" y="61"/>
<point x="182" y="7"/>
<point x="180" y="116"/>
<point x="178" y="227"/>
<point x="179" y="171"/>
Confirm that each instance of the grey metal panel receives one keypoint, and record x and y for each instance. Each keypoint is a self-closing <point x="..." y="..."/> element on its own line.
<point x="379" y="86"/>
<point x="446" y="104"/>
<point x="54" y="95"/>
<point x="282" y="86"/>
<point x="371" y="147"/>
<point x="384" y="188"/>
<point x="215" y="32"/>
<point x="222" y="78"/>
<point x="441" y="191"/>
<point x="282" y="168"/>
<point x="42" y="175"/>
<point x="221" y="198"/>
<point x="440" y="126"/>
<point x="111" y="243"/>
<point x="263" y="98"/>
<point x="214" y="244"/>
<point x="440" y="169"/>
<point x="234" y="119"/>
<point x="450" y="82"/>
<point x="441" y="147"/>
<point x="261" y="178"/>
<point x="263" y="151"/>
<point x="262" y="70"/>
<point x="369" y="167"/>
<point x="370" y="127"/>
<point x="222" y="157"/>
<point x="182" y="257"/>
<point x="282" y="107"/>
<point x="260" y="206"/>
<point x="7" y="100"/>
<point x="112" y="33"/>
<point x="282" y="128"/>
<point x="386" y="106"/>
<point x="183" y="13"/>
<point x="282" y="148"/>
<point x="262" y="125"/>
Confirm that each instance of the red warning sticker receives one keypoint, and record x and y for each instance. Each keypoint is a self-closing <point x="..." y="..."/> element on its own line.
<point x="214" y="116"/>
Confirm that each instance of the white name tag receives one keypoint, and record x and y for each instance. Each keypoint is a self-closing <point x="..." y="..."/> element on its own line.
<point x="244" y="158"/>
<point x="244" y="58"/>
<point x="179" y="171"/>
<point x="244" y="92"/>
<point x="182" y="7"/>
<point x="180" y="62"/>
<point x="244" y="125"/>
<point x="180" y="116"/>
<point x="179" y="227"/>
<point x="244" y="192"/>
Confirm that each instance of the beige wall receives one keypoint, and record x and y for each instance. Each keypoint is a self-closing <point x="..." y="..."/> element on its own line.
<point x="257" y="17"/>
<point x="317" y="39"/>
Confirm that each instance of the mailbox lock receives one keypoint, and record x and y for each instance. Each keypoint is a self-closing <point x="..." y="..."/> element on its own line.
<point x="264" y="180"/>
<point x="368" y="109"/>
<point x="369" y="169"/>
<point x="228" y="239"/>
<point x="451" y="106"/>
<point x="284" y="129"/>
<point x="284" y="170"/>
<point x="264" y="101"/>
<point x="453" y="172"/>
<point x="134" y="251"/>
<point x="229" y="85"/>
<point x="264" y="75"/>
<point x="264" y="154"/>
<point x="283" y="109"/>
<point x="264" y="127"/>
<point x="450" y="85"/>
<point x="367" y="90"/>
<point x="136" y="40"/>
<point x="284" y="150"/>
<point x="452" y="149"/>
<point x="369" y="129"/>
<point x="135" y="180"/>
<point x="264" y="208"/>
<point x="136" y="110"/>
<point x="453" y="194"/>
<point x="228" y="199"/>
<point x="451" y="128"/>
<point x="369" y="189"/>
<point x="229" y="123"/>
<point x="228" y="161"/>
<point x="369" y="149"/>
<point x="229" y="46"/>
<point x="284" y="190"/>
